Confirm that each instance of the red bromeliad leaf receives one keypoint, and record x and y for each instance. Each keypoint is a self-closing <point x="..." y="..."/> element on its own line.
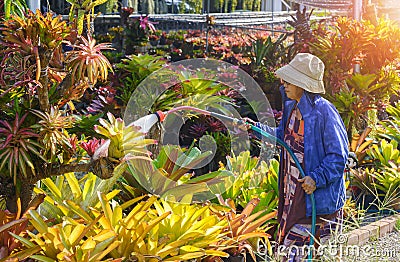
<point x="91" y="146"/>
<point x="17" y="147"/>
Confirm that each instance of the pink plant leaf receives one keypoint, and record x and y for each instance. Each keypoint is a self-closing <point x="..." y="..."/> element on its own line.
<point x="102" y="150"/>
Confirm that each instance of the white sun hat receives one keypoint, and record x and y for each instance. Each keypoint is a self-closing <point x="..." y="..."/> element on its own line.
<point x="305" y="71"/>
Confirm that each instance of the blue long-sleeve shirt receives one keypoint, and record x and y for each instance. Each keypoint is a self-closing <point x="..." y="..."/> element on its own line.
<point x="325" y="149"/>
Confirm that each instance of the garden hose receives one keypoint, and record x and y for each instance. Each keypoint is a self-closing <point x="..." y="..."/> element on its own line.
<point x="297" y="162"/>
<point x="161" y="116"/>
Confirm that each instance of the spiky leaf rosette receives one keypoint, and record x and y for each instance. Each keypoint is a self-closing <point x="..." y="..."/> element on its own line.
<point x="52" y="132"/>
<point x="17" y="146"/>
<point x="124" y="140"/>
<point x="26" y="35"/>
<point x="87" y="61"/>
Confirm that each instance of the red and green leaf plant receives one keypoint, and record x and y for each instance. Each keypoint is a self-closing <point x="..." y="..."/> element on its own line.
<point x="18" y="145"/>
<point x="92" y="145"/>
<point x="357" y="77"/>
<point x="340" y="47"/>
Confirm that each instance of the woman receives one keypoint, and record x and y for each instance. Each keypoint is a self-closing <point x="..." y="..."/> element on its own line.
<point x="314" y="130"/>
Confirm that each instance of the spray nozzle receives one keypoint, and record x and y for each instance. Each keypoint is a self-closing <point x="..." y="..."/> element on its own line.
<point x="160" y="115"/>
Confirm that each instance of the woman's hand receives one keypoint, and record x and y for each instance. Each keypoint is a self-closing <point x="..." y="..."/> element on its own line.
<point x="308" y="184"/>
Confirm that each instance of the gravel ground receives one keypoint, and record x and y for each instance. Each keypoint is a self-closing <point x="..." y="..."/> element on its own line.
<point x="386" y="248"/>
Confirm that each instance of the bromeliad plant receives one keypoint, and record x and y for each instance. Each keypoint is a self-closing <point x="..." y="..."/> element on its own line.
<point x="389" y="129"/>
<point x="189" y="232"/>
<point x="385" y="153"/>
<point x="171" y="176"/>
<point x="268" y="54"/>
<point x="131" y="229"/>
<point x="362" y="93"/>
<point x="94" y="234"/>
<point x="245" y="228"/>
<point x="53" y="134"/>
<point x="132" y="71"/>
<point x="18" y="146"/>
<point x="137" y="31"/>
<point x="68" y="241"/>
<point x="37" y="79"/>
<point x="82" y="11"/>
<point x="17" y="224"/>
<point x="250" y="180"/>
<point x="86" y="61"/>
<point x="388" y="180"/>
<point x="37" y="38"/>
<point x="65" y="193"/>
<point x="124" y="140"/>
<point x="351" y="43"/>
<point x="190" y="87"/>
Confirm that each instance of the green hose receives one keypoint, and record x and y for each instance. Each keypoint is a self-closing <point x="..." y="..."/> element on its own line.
<point x="314" y="212"/>
<point x="280" y="142"/>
